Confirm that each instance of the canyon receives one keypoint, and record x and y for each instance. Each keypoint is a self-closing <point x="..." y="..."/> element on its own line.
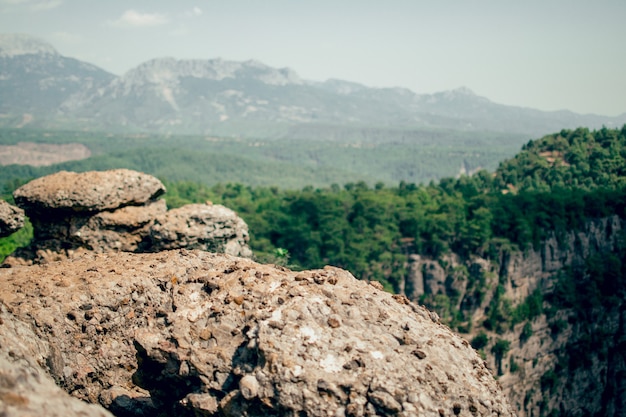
<point x="565" y="358"/>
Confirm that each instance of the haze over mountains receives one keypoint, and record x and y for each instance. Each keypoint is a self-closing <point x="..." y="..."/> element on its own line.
<point x="41" y="88"/>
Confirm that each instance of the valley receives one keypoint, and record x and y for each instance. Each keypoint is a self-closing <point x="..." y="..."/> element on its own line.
<point x="527" y="262"/>
<point x="427" y="155"/>
<point x="507" y="222"/>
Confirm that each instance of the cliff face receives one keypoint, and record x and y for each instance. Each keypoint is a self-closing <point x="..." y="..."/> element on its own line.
<point x="572" y="360"/>
<point x="550" y="321"/>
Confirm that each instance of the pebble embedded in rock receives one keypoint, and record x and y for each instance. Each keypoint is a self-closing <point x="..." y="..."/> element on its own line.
<point x="249" y="387"/>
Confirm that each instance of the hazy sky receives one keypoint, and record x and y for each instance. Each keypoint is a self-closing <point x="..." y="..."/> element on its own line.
<point x="545" y="54"/>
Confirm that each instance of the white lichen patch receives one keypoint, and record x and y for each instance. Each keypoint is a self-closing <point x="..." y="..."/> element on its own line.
<point x="273" y="286"/>
<point x="297" y="370"/>
<point x="309" y="334"/>
<point x="331" y="364"/>
<point x="194" y="312"/>
<point x="277" y="315"/>
<point x="377" y="354"/>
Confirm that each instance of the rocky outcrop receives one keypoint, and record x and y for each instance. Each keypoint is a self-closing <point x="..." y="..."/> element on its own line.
<point x="572" y="361"/>
<point x="193" y="333"/>
<point x="209" y="227"/>
<point x="11" y="219"/>
<point x="425" y="276"/>
<point x="93" y="191"/>
<point x="25" y="387"/>
<point x="561" y="357"/>
<point x="118" y="210"/>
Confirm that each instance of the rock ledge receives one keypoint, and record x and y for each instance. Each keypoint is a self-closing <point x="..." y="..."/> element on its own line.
<point x="194" y="333"/>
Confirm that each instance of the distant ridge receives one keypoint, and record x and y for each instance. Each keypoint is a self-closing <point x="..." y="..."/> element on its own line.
<point x="14" y="44"/>
<point x="41" y="88"/>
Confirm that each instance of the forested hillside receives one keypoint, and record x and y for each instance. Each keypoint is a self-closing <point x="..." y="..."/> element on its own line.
<point x="390" y="156"/>
<point x="548" y="187"/>
<point x="553" y="184"/>
<point x="577" y="159"/>
<point x="556" y="209"/>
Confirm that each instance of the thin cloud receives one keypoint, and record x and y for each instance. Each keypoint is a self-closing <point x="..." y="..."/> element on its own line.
<point x="180" y="31"/>
<point x="191" y="13"/>
<point x="67" y="37"/>
<point x="195" y="12"/>
<point x="39" y="6"/>
<point x="136" y="19"/>
<point x="33" y="6"/>
<point x="183" y="29"/>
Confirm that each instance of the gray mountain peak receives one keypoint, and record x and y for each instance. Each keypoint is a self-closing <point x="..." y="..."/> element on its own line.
<point x="463" y="90"/>
<point x="171" y="70"/>
<point x="217" y="95"/>
<point x="14" y="44"/>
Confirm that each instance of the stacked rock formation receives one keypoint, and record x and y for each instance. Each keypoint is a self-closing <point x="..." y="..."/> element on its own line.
<point x="193" y="333"/>
<point x="118" y="210"/>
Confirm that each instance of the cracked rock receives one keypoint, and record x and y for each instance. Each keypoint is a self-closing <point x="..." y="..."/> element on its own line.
<point x="193" y="333"/>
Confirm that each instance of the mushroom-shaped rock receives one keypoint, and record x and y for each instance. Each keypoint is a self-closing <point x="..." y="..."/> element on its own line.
<point x="91" y="191"/>
<point x="11" y="218"/>
<point x="209" y="227"/>
<point x="198" y="333"/>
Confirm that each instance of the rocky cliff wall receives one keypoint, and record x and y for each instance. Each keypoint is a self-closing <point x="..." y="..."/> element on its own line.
<point x="555" y="329"/>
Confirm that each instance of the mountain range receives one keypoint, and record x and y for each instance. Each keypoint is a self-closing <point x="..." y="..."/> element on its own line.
<point x="41" y="88"/>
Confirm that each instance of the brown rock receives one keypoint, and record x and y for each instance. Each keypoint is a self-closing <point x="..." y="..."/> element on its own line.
<point x="11" y="218"/>
<point x="123" y="229"/>
<point x="167" y="323"/>
<point x="25" y="388"/>
<point x="116" y="211"/>
<point x="56" y="238"/>
<point x="208" y="227"/>
<point x="87" y="192"/>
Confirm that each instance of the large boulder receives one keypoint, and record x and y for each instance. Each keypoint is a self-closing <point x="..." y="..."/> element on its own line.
<point x="91" y="191"/>
<point x="11" y="218"/>
<point x="193" y="333"/>
<point x="64" y="236"/>
<point x="209" y="227"/>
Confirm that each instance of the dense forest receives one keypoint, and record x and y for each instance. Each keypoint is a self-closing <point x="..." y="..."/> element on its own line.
<point x="553" y="185"/>
<point x="403" y="155"/>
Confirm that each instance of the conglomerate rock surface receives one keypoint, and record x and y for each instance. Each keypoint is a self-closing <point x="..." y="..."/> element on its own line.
<point x="193" y="333"/>
<point x="25" y="387"/>
<point x="11" y="218"/>
<point x="210" y="227"/>
<point x="91" y="191"/>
